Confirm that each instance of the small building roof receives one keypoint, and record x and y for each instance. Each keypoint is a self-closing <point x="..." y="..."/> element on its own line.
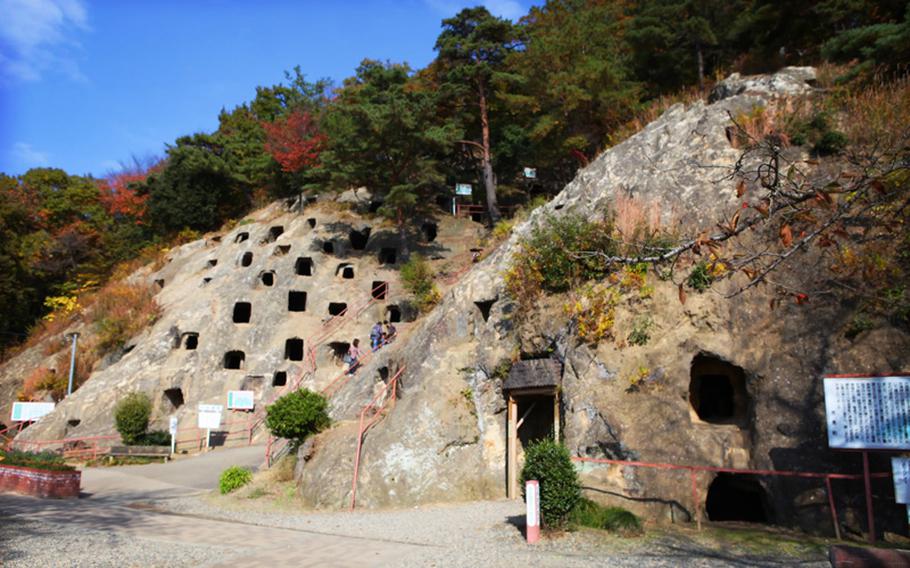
<point x="534" y="373"/>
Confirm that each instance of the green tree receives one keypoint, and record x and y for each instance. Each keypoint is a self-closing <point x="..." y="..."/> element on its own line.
<point x="298" y="415"/>
<point x="877" y="44"/>
<point x="131" y="416"/>
<point x="473" y="47"/>
<point x="383" y="134"/>
<point x="550" y="463"/>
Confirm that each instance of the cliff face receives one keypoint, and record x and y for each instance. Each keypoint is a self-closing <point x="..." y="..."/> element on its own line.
<point x="239" y="310"/>
<point x="445" y="437"/>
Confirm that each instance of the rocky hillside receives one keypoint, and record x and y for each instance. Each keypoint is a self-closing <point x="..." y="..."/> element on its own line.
<point x="446" y="437"/>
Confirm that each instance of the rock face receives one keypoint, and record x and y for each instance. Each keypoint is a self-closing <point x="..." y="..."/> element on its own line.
<point x="240" y="310"/>
<point x="445" y="437"/>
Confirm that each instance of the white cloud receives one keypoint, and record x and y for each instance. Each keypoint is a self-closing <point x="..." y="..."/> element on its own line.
<point x="23" y="153"/>
<point x="510" y="9"/>
<point x="39" y="35"/>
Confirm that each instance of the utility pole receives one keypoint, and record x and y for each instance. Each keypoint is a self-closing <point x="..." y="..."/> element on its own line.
<point x="69" y="387"/>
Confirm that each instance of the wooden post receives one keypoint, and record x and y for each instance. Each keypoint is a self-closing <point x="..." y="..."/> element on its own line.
<point x="869" y="513"/>
<point x="512" y="449"/>
<point x="556" y="415"/>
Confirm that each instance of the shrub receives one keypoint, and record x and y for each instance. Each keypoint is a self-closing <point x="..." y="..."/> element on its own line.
<point x="417" y="278"/>
<point x="550" y="464"/>
<point x="298" y="415"/>
<point x="587" y="513"/>
<point x="700" y="278"/>
<point x="37" y="460"/>
<point x="233" y="478"/>
<point x="594" y="312"/>
<point x="155" y="438"/>
<point x="131" y="416"/>
<point x="641" y="331"/>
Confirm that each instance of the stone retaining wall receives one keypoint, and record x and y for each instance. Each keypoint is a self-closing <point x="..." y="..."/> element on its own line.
<point x="40" y="482"/>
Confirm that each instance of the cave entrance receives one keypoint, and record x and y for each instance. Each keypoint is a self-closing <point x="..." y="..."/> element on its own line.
<point x="717" y="391"/>
<point x="311" y="222"/>
<point x="429" y="231"/>
<point x="281" y="250"/>
<point x="268" y="278"/>
<point x="734" y="497"/>
<point x="359" y="238"/>
<point x="242" y="312"/>
<point x="304" y="266"/>
<point x="532" y="392"/>
<point x="387" y="255"/>
<point x="274" y="233"/>
<point x="280" y="379"/>
<point x="241" y="237"/>
<point x="296" y="301"/>
<point x="484" y="307"/>
<point x="345" y="270"/>
<point x="339" y="349"/>
<point x="293" y="349"/>
<point x="174" y="397"/>
<point x="328" y="247"/>
<point x="190" y="340"/>
<point x="234" y="359"/>
<point x="379" y="290"/>
<point x="246" y="259"/>
<point x="337" y="308"/>
<point x="393" y="314"/>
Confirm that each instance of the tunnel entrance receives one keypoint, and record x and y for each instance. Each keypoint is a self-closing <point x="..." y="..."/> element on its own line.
<point x="359" y="238"/>
<point x="280" y="379"/>
<point x="304" y="266"/>
<point x="393" y="314"/>
<point x="379" y="290"/>
<point x="717" y="391"/>
<point x="296" y="301"/>
<point x="293" y="349"/>
<point x="174" y="397"/>
<point x="387" y="255"/>
<point x="337" y="308"/>
<point x="345" y="270"/>
<point x="737" y="498"/>
<point x="242" y="312"/>
<point x="429" y="231"/>
<point x="234" y="359"/>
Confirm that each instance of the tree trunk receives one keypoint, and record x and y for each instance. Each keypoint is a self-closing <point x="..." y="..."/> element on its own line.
<point x="489" y="181"/>
<point x="700" y="58"/>
<point x="403" y="236"/>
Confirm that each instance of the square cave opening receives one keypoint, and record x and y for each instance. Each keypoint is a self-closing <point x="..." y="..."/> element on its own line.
<point x="242" y="312"/>
<point x="379" y="290"/>
<point x="234" y="359"/>
<point x="296" y="301"/>
<point x="304" y="266"/>
<point x="293" y="349"/>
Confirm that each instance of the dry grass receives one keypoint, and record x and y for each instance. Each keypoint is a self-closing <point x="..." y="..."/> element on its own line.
<point x="878" y="115"/>
<point x="651" y="112"/>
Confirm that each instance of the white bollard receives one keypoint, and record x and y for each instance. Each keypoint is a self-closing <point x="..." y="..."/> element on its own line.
<point x="532" y="498"/>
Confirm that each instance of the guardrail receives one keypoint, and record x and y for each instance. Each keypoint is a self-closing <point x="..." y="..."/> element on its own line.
<point x="693" y="470"/>
<point x="367" y="423"/>
<point x="79" y="448"/>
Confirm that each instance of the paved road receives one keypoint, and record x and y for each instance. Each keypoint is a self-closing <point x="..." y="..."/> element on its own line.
<point x="111" y="507"/>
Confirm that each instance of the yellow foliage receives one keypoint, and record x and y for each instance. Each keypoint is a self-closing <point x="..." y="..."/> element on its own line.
<point x="594" y="311"/>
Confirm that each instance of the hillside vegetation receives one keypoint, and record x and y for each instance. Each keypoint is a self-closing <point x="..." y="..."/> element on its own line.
<point x="569" y="79"/>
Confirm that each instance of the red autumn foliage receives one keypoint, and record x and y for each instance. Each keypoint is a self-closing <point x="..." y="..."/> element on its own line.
<point x="294" y="141"/>
<point x="118" y="194"/>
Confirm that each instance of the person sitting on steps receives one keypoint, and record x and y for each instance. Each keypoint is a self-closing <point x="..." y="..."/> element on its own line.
<point x="376" y="336"/>
<point x="389" y="335"/>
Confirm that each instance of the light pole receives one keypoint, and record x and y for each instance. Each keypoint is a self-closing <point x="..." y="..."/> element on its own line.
<point x="75" y="338"/>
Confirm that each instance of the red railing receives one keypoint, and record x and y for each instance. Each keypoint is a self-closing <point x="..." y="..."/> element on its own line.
<point x="693" y="470"/>
<point x="9" y="433"/>
<point x="79" y="448"/>
<point x="469" y="209"/>
<point x="390" y="389"/>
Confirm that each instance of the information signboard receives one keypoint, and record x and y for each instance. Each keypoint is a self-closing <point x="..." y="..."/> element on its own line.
<point x="868" y="413"/>
<point x="241" y="400"/>
<point x="530" y="173"/>
<point x="210" y="416"/>
<point x="30" y="411"/>
<point x="900" y="469"/>
<point x="463" y="189"/>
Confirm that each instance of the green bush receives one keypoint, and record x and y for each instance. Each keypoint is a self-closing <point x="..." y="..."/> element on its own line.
<point x="551" y="465"/>
<point x="831" y="142"/>
<point x="131" y="416"/>
<point x="700" y="279"/>
<point x="155" y="438"/>
<point x="587" y="513"/>
<point x="234" y="478"/>
<point x="37" y="460"/>
<point x="417" y="278"/>
<point x="297" y="415"/>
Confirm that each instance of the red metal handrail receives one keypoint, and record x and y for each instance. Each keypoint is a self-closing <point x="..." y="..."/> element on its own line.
<point x="363" y="427"/>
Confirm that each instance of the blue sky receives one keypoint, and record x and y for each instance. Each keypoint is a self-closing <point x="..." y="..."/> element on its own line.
<point x="86" y="85"/>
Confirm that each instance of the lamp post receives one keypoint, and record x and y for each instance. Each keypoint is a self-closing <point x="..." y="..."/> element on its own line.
<point x="75" y="337"/>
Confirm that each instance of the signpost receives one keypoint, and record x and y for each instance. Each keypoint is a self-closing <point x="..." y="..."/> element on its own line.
<point x="869" y="413"/>
<point x="209" y="419"/>
<point x="530" y="173"/>
<point x="463" y="189"/>
<point x="532" y="518"/>
<point x="241" y="400"/>
<point x="30" y="411"/>
<point x="173" y="430"/>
